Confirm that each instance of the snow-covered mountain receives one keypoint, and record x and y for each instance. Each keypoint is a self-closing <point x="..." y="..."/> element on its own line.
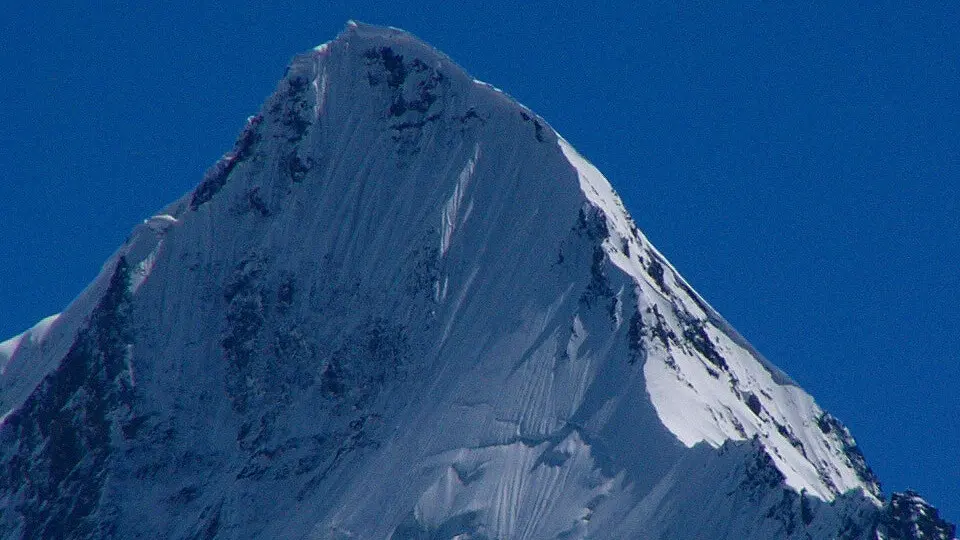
<point x="404" y="307"/>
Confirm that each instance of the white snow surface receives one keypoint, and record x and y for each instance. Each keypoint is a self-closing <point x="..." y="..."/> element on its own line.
<point x="696" y="406"/>
<point x="409" y="309"/>
<point x="34" y="336"/>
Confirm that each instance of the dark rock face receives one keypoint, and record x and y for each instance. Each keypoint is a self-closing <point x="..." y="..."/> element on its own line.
<point x="413" y="87"/>
<point x="56" y="447"/>
<point x="216" y="177"/>
<point x="908" y="517"/>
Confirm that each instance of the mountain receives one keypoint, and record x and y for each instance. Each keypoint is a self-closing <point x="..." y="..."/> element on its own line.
<point x="403" y="307"/>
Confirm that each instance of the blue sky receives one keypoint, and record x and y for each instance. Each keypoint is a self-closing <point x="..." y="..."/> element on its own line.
<point x="799" y="164"/>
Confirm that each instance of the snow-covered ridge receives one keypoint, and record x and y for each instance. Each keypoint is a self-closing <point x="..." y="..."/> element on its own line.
<point x="34" y="336"/>
<point x="745" y="396"/>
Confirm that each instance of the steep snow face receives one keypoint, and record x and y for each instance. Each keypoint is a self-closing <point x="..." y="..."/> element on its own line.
<point x="34" y="336"/>
<point x="402" y="307"/>
<point x="704" y="384"/>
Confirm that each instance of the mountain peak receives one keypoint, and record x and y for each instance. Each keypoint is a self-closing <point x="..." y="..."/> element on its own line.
<point x="359" y="35"/>
<point x="362" y="30"/>
<point x="402" y="306"/>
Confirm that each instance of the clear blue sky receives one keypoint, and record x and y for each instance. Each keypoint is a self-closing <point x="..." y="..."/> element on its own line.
<point x="799" y="165"/>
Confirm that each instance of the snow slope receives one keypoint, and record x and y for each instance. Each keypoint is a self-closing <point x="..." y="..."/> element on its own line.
<point x="403" y="307"/>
